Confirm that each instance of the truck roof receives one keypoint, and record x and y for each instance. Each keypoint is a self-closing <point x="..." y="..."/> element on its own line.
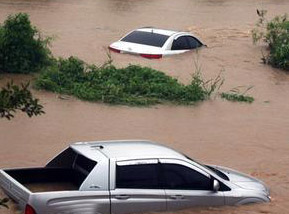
<point x="127" y="149"/>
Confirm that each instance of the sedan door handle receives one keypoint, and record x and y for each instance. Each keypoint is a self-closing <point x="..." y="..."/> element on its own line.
<point x="122" y="197"/>
<point x="177" y="197"/>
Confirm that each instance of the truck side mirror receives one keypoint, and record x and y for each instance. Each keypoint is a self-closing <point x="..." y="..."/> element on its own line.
<point x="216" y="185"/>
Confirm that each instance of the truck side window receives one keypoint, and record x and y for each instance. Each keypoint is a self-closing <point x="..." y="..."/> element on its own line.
<point x="181" y="177"/>
<point x="140" y="176"/>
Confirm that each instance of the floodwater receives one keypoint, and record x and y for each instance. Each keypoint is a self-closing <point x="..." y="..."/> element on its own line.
<point x="252" y="138"/>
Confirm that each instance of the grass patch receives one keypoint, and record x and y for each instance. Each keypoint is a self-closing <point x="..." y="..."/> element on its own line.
<point x="235" y="95"/>
<point x="132" y="85"/>
<point x="275" y="33"/>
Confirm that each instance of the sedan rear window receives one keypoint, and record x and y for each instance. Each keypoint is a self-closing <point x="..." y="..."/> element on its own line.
<point x="146" y="38"/>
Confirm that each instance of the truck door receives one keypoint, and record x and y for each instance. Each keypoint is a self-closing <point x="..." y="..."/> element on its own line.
<point x="135" y="187"/>
<point x="187" y="185"/>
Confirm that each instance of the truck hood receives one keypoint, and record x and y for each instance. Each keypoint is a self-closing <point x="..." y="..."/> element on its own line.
<point x="243" y="180"/>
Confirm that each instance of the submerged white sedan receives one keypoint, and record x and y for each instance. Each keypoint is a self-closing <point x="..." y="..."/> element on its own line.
<point x="155" y="43"/>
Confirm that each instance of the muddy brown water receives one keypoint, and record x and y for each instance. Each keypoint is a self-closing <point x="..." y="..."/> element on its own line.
<point x="253" y="138"/>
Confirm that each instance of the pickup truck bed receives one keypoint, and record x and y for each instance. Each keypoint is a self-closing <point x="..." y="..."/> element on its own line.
<point x="60" y="185"/>
<point x="47" y="179"/>
<point x="51" y="186"/>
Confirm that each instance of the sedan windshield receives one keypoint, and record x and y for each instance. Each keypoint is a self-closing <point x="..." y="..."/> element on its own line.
<point x="146" y="38"/>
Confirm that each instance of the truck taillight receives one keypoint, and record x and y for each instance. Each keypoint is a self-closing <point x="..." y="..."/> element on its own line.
<point x="29" y="210"/>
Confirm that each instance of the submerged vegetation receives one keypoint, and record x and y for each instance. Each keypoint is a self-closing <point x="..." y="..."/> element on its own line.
<point x="275" y="33"/>
<point x="237" y="95"/>
<point x="133" y="85"/>
<point x="22" y="48"/>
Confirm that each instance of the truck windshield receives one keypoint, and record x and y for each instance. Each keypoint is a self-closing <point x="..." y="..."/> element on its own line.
<point x="212" y="169"/>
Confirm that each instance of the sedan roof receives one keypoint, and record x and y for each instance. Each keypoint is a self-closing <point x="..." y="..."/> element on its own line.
<point x="158" y="31"/>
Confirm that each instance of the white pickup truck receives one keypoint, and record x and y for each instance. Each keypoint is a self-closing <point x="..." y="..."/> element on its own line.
<point x="120" y="177"/>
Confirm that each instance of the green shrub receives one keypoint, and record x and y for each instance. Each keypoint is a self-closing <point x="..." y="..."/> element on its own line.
<point x="22" y="48"/>
<point x="276" y="34"/>
<point x="14" y="97"/>
<point x="236" y="95"/>
<point x="133" y="85"/>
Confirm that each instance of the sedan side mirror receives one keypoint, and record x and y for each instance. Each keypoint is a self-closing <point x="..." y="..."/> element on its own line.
<point x="216" y="185"/>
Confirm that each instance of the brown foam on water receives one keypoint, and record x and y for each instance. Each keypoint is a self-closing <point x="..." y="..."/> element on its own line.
<point x="216" y="37"/>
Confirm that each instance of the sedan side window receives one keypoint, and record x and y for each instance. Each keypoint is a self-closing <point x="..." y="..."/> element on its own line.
<point x="194" y="43"/>
<point x="140" y="176"/>
<point x="180" y="43"/>
<point x="181" y="177"/>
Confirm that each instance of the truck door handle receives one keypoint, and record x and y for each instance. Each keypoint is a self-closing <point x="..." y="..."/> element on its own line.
<point x="122" y="197"/>
<point x="177" y="197"/>
<point x="94" y="186"/>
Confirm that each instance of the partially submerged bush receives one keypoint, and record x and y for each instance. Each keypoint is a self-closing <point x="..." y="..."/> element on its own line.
<point x="133" y="85"/>
<point x="276" y="34"/>
<point x="236" y="95"/>
<point x="22" y="48"/>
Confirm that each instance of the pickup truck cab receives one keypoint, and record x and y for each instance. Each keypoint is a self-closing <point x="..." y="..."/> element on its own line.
<point x="120" y="177"/>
